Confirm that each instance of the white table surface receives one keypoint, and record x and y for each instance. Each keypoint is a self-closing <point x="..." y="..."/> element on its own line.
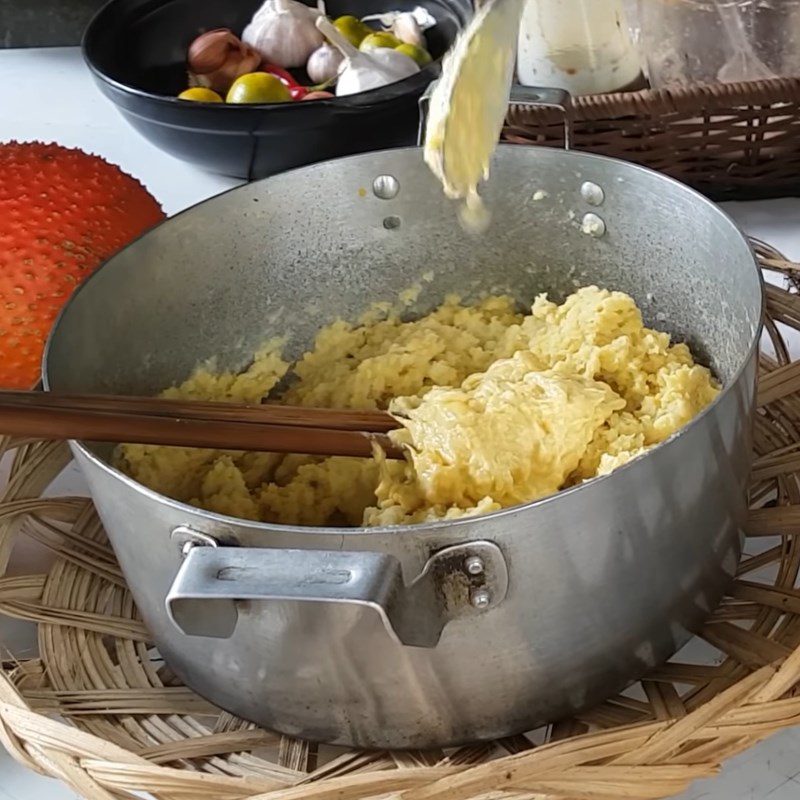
<point x="48" y="95"/>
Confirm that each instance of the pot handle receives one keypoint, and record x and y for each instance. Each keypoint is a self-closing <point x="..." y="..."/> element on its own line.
<point x="459" y="581"/>
<point x="526" y="96"/>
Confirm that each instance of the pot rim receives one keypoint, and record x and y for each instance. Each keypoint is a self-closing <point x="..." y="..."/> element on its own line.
<point x="434" y="526"/>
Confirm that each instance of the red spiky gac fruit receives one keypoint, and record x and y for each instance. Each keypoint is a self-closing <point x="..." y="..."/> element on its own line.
<point x="62" y="213"/>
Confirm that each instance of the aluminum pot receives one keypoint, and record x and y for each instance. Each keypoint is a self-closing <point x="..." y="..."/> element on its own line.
<point x="442" y="633"/>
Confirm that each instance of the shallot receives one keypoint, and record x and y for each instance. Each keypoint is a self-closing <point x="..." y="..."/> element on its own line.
<point x="217" y="58"/>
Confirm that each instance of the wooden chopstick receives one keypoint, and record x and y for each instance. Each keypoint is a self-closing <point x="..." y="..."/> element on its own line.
<point x="145" y="420"/>
<point x="261" y="413"/>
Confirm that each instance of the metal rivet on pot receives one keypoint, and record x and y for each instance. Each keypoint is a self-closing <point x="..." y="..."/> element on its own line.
<point x="385" y="187"/>
<point x="481" y="598"/>
<point x="592" y="225"/>
<point x="592" y="193"/>
<point x="474" y="565"/>
<point x="391" y="223"/>
<point x="186" y="538"/>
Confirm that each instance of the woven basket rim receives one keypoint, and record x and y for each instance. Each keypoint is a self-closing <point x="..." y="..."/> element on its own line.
<point x="94" y="709"/>
<point x="730" y="141"/>
<point x="674" y="99"/>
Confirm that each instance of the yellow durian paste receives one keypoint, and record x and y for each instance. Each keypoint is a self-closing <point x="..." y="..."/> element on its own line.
<point x="497" y="408"/>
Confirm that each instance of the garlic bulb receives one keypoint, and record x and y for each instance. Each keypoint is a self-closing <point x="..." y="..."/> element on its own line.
<point x="407" y="26"/>
<point x="283" y="32"/>
<point x="217" y="58"/>
<point x="323" y="64"/>
<point x="360" y="72"/>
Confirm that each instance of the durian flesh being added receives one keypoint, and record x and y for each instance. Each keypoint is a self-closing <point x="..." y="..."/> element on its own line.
<point x="468" y="106"/>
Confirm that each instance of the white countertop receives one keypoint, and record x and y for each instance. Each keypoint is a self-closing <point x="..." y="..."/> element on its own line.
<point x="48" y="95"/>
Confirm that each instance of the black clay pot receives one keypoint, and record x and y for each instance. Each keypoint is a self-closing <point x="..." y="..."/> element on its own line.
<point x="136" y="50"/>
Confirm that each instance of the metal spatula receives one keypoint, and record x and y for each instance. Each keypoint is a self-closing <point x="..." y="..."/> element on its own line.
<point x="468" y="105"/>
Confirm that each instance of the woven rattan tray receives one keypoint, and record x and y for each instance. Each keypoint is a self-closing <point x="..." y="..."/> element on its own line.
<point x="100" y="711"/>
<point x="731" y="141"/>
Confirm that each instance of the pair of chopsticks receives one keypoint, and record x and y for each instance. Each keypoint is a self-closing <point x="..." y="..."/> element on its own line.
<point x="181" y="423"/>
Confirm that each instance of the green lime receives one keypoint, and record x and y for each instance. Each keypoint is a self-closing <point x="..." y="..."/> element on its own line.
<point x="258" y="87"/>
<point x="200" y="94"/>
<point x="419" y="54"/>
<point x="379" y="39"/>
<point x="352" y="28"/>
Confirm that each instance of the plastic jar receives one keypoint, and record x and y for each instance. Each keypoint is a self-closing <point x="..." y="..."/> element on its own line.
<point x="583" y="46"/>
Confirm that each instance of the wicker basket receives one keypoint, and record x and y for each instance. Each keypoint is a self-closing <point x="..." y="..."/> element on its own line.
<point x="100" y="711"/>
<point x="730" y="141"/>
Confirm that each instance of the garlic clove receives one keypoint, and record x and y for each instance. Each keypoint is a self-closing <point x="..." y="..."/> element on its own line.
<point x="407" y="30"/>
<point x="356" y="80"/>
<point x="402" y="65"/>
<point x="388" y="67"/>
<point x="408" y="26"/>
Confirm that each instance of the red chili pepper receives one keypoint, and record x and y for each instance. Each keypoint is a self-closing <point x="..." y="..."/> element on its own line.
<point x="298" y="92"/>
<point x="280" y="72"/>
